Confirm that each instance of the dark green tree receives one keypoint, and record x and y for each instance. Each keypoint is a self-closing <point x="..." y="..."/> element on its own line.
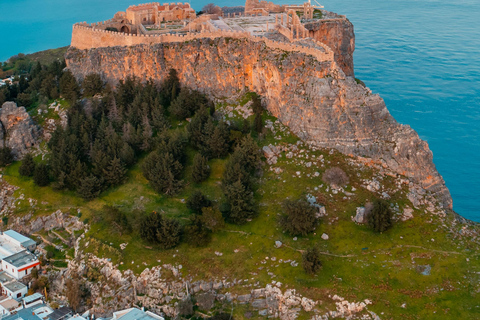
<point x="92" y="84"/>
<point x="27" y="167"/>
<point x="212" y="219"/>
<point x="201" y="169"/>
<point x="115" y="172"/>
<point x="41" y="175"/>
<point x="197" y="201"/>
<point x="299" y="217"/>
<point x="258" y="123"/>
<point x="380" y="217"/>
<point x="241" y="201"/>
<point x="311" y="260"/>
<point x="196" y="233"/>
<point x="69" y="88"/>
<point x="6" y="156"/>
<point x="218" y="142"/>
<point x="187" y="103"/>
<point x="163" y="172"/>
<point x="168" y="236"/>
<point x="90" y="187"/>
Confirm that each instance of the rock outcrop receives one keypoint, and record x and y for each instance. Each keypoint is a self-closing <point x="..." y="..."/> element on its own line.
<point x="17" y="129"/>
<point x="339" y="36"/>
<point x="314" y="98"/>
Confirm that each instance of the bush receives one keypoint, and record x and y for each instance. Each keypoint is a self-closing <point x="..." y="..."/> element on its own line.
<point x="41" y="175"/>
<point x="185" y="307"/>
<point x="27" y="168"/>
<point x="6" y="156"/>
<point x="299" y="218"/>
<point x="212" y="219"/>
<point x="380" y="217"/>
<point x="157" y="229"/>
<point x="197" y="234"/>
<point x="335" y="177"/>
<point x="197" y="201"/>
<point x="311" y="261"/>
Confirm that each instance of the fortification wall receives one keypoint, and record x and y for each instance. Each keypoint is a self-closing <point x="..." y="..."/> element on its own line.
<point x="87" y="37"/>
<point x="311" y="95"/>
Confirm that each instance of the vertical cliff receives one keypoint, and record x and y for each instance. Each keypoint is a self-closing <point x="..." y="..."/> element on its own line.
<point x="314" y="98"/>
<point x="338" y="34"/>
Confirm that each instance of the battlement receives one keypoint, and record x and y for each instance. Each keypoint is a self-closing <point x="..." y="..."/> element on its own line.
<point x="86" y="36"/>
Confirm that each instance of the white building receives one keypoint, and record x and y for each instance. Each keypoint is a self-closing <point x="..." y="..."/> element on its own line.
<point x="10" y="287"/>
<point x="9" y="306"/>
<point x="16" y="258"/>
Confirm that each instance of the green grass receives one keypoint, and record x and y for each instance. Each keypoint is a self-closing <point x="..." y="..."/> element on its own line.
<point x="358" y="263"/>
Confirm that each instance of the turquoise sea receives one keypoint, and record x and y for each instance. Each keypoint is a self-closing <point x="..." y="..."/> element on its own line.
<point x="422" y="57"/>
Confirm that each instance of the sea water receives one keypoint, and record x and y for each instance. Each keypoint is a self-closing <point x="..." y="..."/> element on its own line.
<point x="422" y="57"/>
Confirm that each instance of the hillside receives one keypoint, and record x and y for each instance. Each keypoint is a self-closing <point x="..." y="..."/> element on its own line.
<point x="423" y="268"/>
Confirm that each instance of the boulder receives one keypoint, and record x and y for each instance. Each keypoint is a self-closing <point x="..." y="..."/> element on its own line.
<point x="18" y="131"/>
<point x="360" y="216"/>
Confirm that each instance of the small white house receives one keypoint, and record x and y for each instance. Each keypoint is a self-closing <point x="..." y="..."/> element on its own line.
<point x="20" y="240"/>
<point x="14" y="289"/>
<point x="20" y="264"/>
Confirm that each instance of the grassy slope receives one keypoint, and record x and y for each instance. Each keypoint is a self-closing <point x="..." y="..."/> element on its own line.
<point x="357" y="263"/>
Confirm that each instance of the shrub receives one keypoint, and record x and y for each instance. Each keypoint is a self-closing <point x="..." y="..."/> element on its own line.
<point x="157" y="229"/>
<point x="335" y="177"/>
<point x="27" y="167"/>
<point x="185" y="307"/>
<point x="212" y="219"/>
<point x="197" y="234"/>
<point x="299" y="218"/>
<point x="311" y="261"/>
<point x="6" y="156"/>
<point x="380" y="216"/>
<point x="197" y="201"/>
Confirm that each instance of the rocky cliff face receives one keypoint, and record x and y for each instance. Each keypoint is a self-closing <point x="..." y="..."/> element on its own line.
<point x="17" y="129"/>
<point x="339" y="36"/>
<point x="314" y="98"/>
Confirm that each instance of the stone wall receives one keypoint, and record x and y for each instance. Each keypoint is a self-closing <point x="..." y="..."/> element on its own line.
<point x="310" y="95"/>
<point x="87" y="37"/>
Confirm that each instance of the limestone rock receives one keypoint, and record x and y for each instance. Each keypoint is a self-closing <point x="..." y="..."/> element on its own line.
<point x="360" y="215"/>
<point x="325" y="108"/>
<point x="325" y="236"/>
<point x="18" y="131"/>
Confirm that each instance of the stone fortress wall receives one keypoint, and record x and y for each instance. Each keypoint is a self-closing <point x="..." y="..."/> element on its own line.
<point x="87" y="36"/>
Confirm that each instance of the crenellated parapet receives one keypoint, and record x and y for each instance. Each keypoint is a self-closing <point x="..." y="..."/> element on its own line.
<point x="87" y="36"/>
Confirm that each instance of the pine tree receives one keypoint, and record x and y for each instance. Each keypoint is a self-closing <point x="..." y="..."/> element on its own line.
<point x="380" y="218"/>
<point x="41" y="175"/>
<point x="258" y="123"/>
<point x="201" y="169"/>
<point x="27" y="167"/>
<point x="163" y="172"/>
<point x="218" y="143"/>
<point x="197" y="201"/>
<point x="196" y="233"/>
<point x="6" y="156"/>
<point x="90" y="187"/>
<point x="311" y="261"/>
<point x="92" y="84"/>
<point x="241" y="201"/>
<point x="299" y="218"/>
<point x="69" y="87"/>
<point x="146" y="135"/>
<point x="115" y="172"/>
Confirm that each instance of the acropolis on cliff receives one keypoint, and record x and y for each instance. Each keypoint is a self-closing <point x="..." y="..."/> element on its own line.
<point x="280" y="26"/>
